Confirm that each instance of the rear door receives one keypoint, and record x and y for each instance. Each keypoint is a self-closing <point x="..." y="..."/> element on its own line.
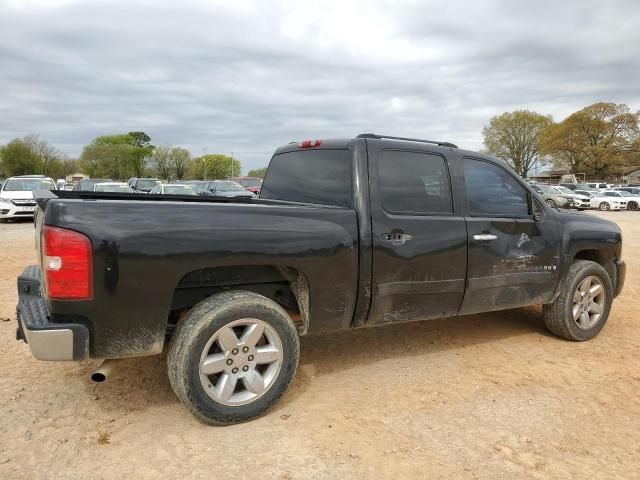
<point x="513" y="257"/>
<point x="419" y="239"/>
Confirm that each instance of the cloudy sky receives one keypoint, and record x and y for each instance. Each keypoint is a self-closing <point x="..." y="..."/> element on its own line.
<point x="245" y="77"/>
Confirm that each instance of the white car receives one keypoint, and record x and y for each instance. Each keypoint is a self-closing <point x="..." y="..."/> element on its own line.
<point x="632" y="199"/>
<point x="603" y="202"/>
<point x="581" y="202"/>
<point x="113" y="187"/>
<point x="16" y="195"/>
<point x="173" y="189"/>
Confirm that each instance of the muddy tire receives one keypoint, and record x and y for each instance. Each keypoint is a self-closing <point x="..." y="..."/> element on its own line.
<point x="582" y="308"/>
<point x="232" y="357"/>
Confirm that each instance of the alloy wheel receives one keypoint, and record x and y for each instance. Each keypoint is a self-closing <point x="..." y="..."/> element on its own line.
<point x="240" y="362"/>
<point x="588" y="302"/>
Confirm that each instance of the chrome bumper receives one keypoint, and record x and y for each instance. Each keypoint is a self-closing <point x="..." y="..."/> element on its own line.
<point x="47" y="340"/>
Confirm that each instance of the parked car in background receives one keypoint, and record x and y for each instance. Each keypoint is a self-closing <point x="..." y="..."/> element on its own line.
<point x="228" y="188"/>
<point x="598" y="185"/>
<point x="68" y="186"/>
<point x="113" y="187"/>
<point x="635" y="190"/>
<point x="253" y="184"/>
<point x="632" y="199"/>
<point x="143" y="184"/>
<point x="87" y="184"/>
<point x="553" y="197"/>
<point x="601" y="201"/>
<point x="580" y="202"/>
<point x="16" y="195"/>
<point x="200" y="186"/>
<point x="576" y="186"/>
<point x="172" y="189"/>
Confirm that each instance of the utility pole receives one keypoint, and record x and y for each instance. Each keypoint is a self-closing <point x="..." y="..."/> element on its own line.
<point x="204" y="164"/>
<point x="232" y="164"/>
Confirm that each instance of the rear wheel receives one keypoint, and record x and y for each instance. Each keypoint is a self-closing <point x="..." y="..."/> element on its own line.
<point x="605" y="206"/>
<point x="582" y="308"/>
<point x="233" y="357"/>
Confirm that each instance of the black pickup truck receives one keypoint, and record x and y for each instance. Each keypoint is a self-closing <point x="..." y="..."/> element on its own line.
<point x="347" y="233"/>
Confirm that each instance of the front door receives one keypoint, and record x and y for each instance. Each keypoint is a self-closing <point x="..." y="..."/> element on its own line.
<point x="419" y="240"/>
<point x="513" y="258"/>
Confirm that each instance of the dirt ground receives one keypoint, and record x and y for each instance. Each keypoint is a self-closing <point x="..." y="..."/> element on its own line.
<point x="484" y="396"/>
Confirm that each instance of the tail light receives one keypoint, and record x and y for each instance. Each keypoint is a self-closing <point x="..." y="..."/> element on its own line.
<point x="67" y="264"/>
<point x="309" y="143"/>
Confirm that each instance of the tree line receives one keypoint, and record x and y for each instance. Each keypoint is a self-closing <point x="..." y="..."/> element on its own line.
<point x="600" y="141"/>
<point x="118" y="157"/>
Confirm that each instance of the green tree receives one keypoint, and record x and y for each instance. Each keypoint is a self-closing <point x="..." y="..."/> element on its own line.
<point x="32" y="155"/>
<point x="161" y="161"/>
<point x="514" y="137"/>
<point x="258" y="172"/>
<point x="597" y="140"/>
<point x="180" y="161"/>
<point x="214" y="166"/>
<point x="117" y="156"/>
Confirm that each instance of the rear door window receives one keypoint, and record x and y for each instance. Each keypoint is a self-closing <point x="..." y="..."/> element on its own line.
<point x="414" y="183"/>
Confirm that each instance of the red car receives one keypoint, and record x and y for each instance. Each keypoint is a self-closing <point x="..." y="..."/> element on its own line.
<point x="253" y="184"/>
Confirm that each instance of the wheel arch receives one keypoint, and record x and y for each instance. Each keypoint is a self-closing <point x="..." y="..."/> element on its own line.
<point x="602" y="257"/>
<point x="287" y="286"/>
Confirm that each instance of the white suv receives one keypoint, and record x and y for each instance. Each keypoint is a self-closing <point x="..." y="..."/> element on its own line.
<point x="16" y="195"/>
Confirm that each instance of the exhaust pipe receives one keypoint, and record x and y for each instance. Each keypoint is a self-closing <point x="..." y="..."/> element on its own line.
<point x="103" y="371"/>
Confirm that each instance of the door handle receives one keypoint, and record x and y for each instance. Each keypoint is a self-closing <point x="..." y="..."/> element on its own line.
<point x="396" y="238"/>
<point x="485" y="237"/>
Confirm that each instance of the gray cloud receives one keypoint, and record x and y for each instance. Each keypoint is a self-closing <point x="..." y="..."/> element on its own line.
<point x="247" y="78"/>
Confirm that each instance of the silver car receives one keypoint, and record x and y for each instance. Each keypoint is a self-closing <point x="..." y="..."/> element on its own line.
<point x="553" y="197"/>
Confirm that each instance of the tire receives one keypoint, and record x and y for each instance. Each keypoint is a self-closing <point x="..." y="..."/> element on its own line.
<point x="202" y="334"/>
<point x="604" y="206"/>
<point x="551" y="203"/>
<point x="632" y="206"/>
<point x="559" y="316"/>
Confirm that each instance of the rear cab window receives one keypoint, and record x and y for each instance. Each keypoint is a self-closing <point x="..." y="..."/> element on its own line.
<point x="310" y="176"/>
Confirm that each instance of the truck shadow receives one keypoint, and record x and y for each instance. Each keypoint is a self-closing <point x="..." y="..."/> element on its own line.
<point x="139" y="383"/>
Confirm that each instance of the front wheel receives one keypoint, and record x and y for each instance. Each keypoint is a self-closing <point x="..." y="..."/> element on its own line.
<point x="632" y="206"/>
<point x="582" y="308"/>
<point x="551" y="203"/>
<point x="233" y="357"/>
<point x="605" y="206"/>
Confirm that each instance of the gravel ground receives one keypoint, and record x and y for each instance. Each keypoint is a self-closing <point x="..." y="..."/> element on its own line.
<point x="483" y="396"/>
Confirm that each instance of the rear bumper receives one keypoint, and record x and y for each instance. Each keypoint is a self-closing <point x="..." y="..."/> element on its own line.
<point x="47" y="340"/>
<point x="621" y="272"/>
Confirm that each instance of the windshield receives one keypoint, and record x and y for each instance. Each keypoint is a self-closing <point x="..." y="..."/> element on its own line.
<point x="550" y="190"/>
<point x="228" y="187"/>
<point x="113" y="188"/>
<point x="179" y="190"/>
<point x="565" y="190"/>
<point x="28" y="184"/>
<point x="147" y="183"/>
